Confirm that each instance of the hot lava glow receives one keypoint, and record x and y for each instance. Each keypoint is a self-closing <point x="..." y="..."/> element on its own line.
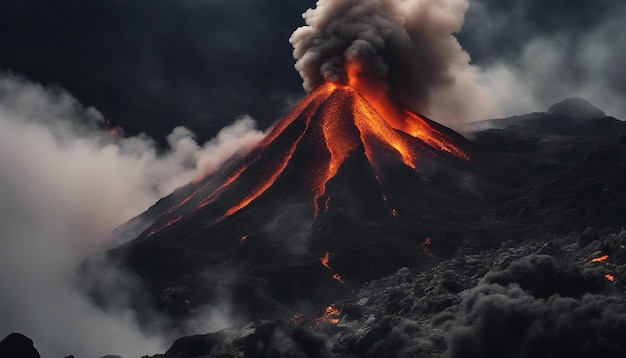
<point x="170" y="222"/>
<point x="426" y="247"/>
<point x="338" y="277"/>
<point x="600" y="259"/>
<point x="327" y="127"/>
<point x="610" y="277"/>
<point x="324" y="259"/>
<point x="330" y="316"/>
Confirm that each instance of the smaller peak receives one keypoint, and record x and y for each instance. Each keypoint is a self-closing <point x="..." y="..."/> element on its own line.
<point x="576" y="107"/>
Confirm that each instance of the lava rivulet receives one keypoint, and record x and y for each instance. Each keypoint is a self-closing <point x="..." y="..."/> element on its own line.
<point x="328" y="126"/>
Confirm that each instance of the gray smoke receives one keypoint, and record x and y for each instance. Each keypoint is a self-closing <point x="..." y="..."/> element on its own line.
<point x="537" y="307"/>
<point x="410" y="44"/>
<point x="534" y="54"/>
<point x="65" y="185"/>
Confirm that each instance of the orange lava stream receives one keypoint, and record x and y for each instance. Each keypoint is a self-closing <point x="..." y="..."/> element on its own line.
<point x="610" y="277"/>
<point x="275" y="172"/>
<point x="371" y="124"/>
<point x="417" y="127"/>
<point x="169" y="223"/>
<point x="600" y="259"/>
<point x="330" y="316"/>
<point x="324" y="259"/>
<point x="338" y="144"/>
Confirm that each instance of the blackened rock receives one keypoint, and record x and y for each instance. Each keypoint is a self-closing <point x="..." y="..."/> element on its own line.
<point x="17" y="345"/>
<point x="192" y="346"/>
<point x="576" y="107"/>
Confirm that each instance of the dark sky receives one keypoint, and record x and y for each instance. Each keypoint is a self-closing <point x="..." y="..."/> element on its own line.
<point x="152" y="65"/>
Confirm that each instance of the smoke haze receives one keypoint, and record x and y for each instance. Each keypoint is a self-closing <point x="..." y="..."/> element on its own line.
<point x="410" y="44"/>
<point x="65" y="184"/>
<point x="532" y="54"/>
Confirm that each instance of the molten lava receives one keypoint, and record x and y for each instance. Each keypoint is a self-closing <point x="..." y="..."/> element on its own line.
<point x="610" y="277"/>
<point x="324" y="259"/>
<point x="325" y="129"/>
<point x="330" y="316"/>
<point x="600" y="259"/>
<point x="170" y="222"/>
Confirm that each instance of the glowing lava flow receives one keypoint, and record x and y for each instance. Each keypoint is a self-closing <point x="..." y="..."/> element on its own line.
<point x="600" y="259"/>
<point x="330" y="316"/>
<point x="339" y="120"/>
<point x="610" y="277"/>
<point x="324" y="259"/>
<point x="171" y="222"/>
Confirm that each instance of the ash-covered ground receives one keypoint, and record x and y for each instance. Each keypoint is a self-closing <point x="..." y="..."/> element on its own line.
<point x="548" y="296"/>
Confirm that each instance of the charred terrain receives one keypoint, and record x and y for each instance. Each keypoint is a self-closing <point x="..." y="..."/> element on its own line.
<point x="347" y="234"/>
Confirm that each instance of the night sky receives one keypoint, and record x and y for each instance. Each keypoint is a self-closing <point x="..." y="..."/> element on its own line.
<point x="150" y="66"/>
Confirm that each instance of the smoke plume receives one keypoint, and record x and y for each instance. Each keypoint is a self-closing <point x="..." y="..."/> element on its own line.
<point x="65" y="184"/>
<point x="407" y="44"/>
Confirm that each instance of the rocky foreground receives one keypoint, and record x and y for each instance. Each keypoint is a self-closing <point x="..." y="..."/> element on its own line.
<point x="548" y="297"/>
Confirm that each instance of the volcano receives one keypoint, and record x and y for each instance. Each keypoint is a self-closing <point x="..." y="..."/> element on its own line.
<point x="342" y="190"/>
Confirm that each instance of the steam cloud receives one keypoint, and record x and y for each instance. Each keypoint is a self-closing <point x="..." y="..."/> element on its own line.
<point x="408" y="43"/>
<point x="65" y="184"/>
<point x="534" y="54"/>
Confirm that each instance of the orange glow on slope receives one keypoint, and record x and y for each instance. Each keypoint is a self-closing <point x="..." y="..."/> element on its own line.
<point x="171" y="222"/>
<point x="343" y="118"/>
<point x="274" y="172"/>
<point x="610" y="277"/>
<point x="324" y="259"/>
<point x="330" y="316"/>
<point x="376" y="93"/>
<point x="426" y="247"/>
<point x="338" y="277"/>
<point x="600" y="259"/>
<point x="417" y="127"/>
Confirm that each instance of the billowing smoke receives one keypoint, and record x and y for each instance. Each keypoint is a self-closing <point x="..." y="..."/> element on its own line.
<point x="408" y="44"/>
<point x="65" y="184"/>
<point x="537" y="307"/>
<point x="532" y="54"/>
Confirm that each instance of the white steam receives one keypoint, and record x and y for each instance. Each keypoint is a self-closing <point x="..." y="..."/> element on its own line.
<point x="64" y="185"/>
<point x="408" y="43"/>
<point x="556" y="66"/>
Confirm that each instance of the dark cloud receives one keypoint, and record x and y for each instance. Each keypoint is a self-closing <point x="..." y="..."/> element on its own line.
<point x="533" y="54"/>
<point x="537" y="307"/>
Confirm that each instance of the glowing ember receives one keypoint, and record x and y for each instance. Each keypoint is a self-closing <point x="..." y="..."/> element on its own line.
<point x="243" y="238"/>
<point x="169" y="223"/>
<point x="600" y="259"/>
<point x="331" y="316"/>
<point x="426" y="247"/>
<point x="338" y="277"/>
<point x="610" y="277"/>
<point x="186" y="200"/>
<point x="324" y="259"/>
